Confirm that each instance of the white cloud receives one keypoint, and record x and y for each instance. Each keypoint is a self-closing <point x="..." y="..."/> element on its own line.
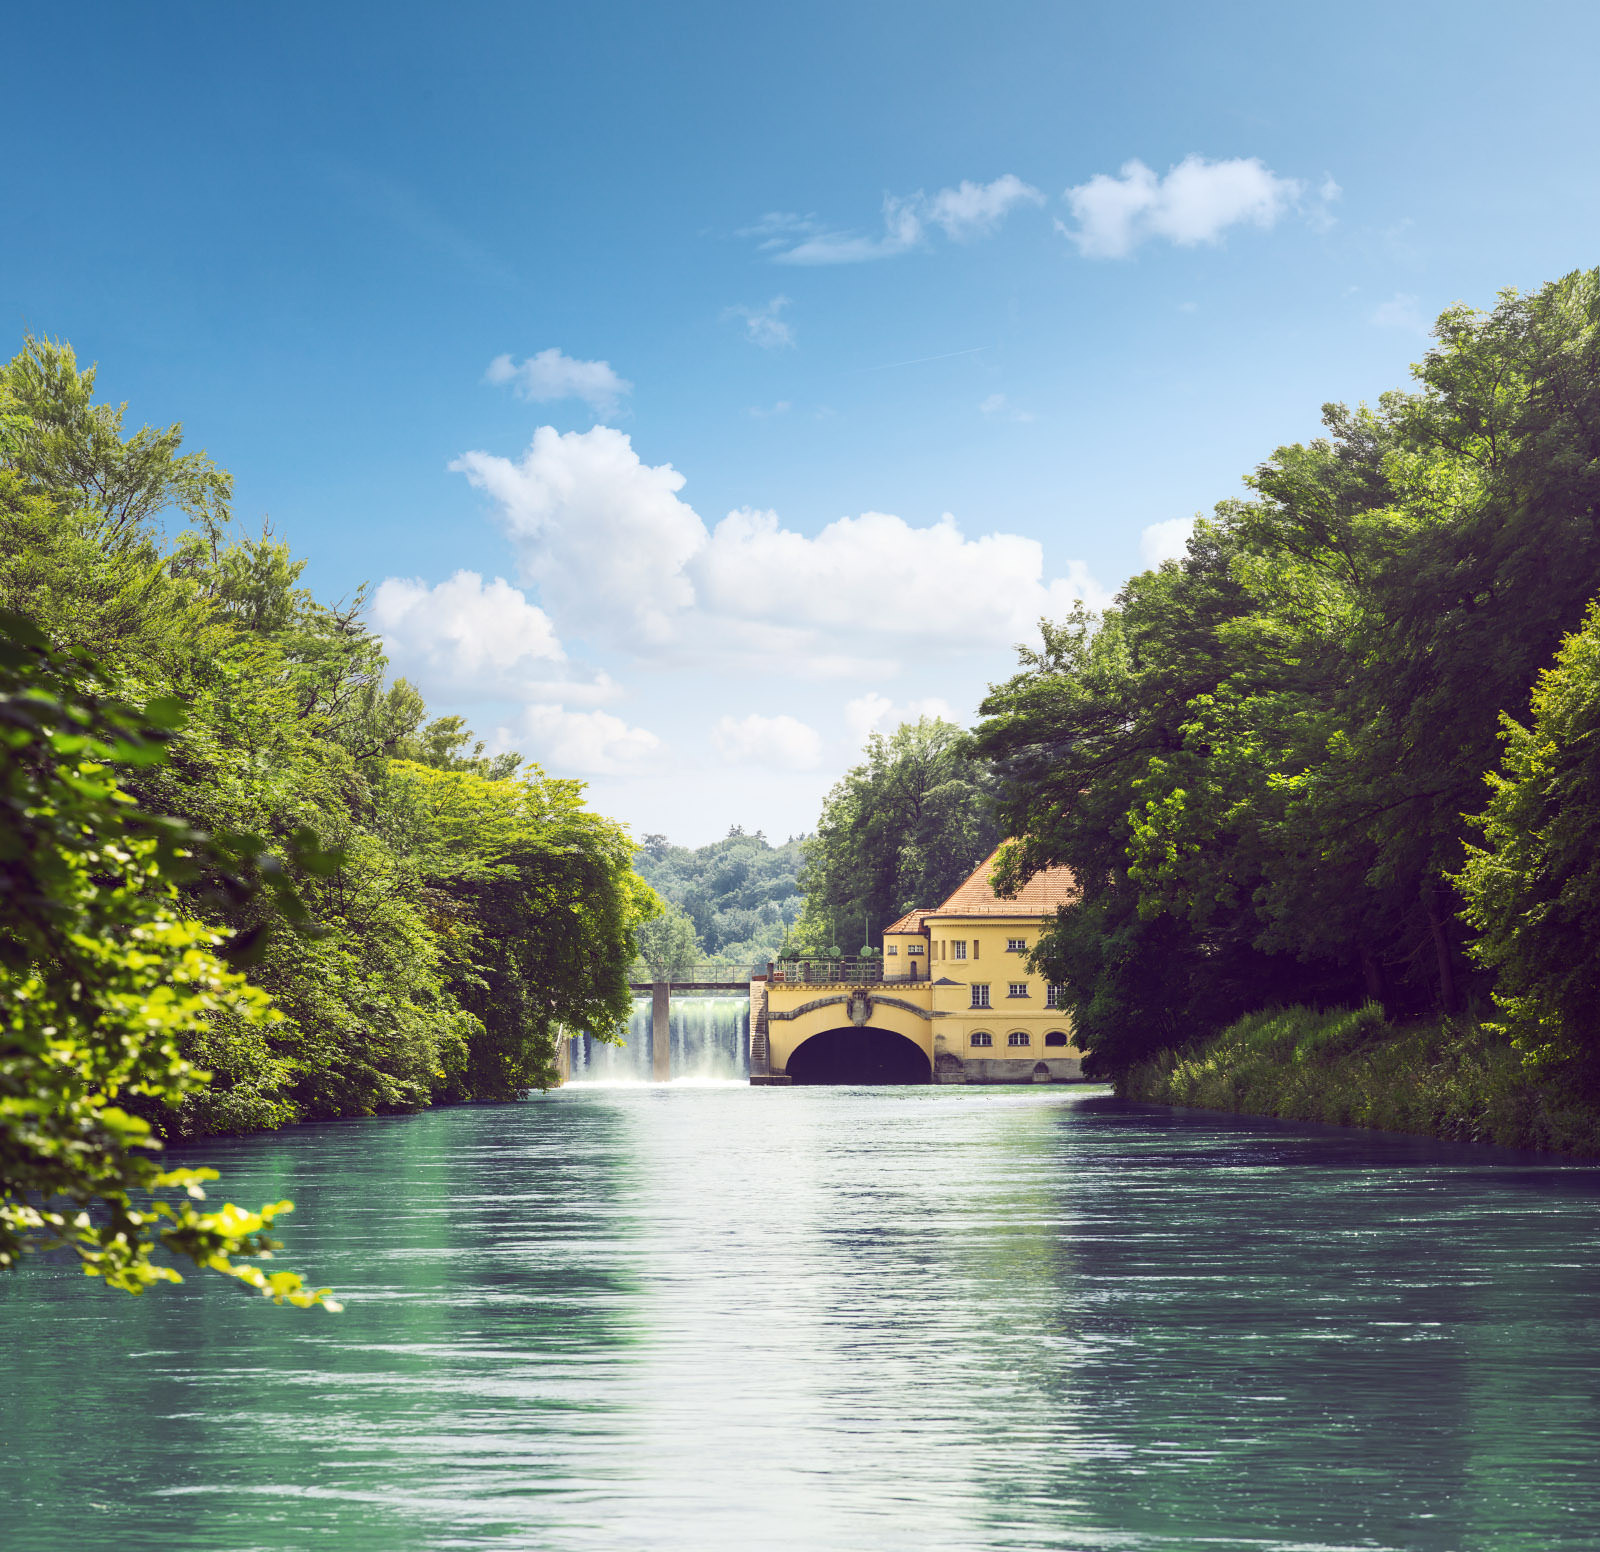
<point x="1166" y="541"/>
<point x="603" y="535"/>
<point x="1401" y="311"/>
<point x="763" y="326"/>
<point x="975" y="209"/>
<point x="1194" y="203"/>
<point x="874" y="713"/>
<point x="782" y="407"/>
<point x="902" y="231"/>
<point x="783" y="742"/>
<point x="968" y="210"/>
<point x="586" y="743"/>
<point x="614" y="550"/>
<point x="551" y="375"/>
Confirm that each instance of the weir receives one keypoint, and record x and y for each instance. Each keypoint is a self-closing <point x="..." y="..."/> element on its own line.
<point x="705" y="1034"/>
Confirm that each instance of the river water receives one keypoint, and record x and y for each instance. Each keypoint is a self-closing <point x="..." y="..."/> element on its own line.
<point x="712" y="1317"/>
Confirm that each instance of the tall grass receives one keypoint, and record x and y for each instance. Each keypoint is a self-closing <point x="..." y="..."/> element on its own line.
<point x="1451" y="1079"/>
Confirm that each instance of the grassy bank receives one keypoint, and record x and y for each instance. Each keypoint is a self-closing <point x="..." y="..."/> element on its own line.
<point x="1449" y="1079"/>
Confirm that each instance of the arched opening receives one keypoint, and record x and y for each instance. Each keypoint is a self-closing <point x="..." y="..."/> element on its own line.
<point x="852" y="1055"/>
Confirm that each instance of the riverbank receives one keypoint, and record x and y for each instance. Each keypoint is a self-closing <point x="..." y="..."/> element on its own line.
<point x="1450" y="1079"/>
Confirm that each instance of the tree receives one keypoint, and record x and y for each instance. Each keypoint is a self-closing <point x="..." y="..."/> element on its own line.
<point x="1532" y="889"/>
<point x="102" y="974"/>
<point x="668" y="945"/>
<point x="900" y="830"/>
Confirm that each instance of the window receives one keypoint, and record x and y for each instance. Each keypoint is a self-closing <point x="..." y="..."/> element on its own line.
<point x="958" y="948"/>
<point x="980" y="1038"/>
<point x="1016" y="945"/>
<point x="1018" y="989"/>
<point x="1055" y="1037"/>
<point x="1019" y="1037"/>
<point x="980" y="996"/>
<point x="1055" y="997"/>
<point x="891" y="948"/>
<point x="913" y="948"/>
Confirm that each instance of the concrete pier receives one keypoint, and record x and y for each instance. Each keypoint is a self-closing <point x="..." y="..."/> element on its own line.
<point x="661" y="1032"/>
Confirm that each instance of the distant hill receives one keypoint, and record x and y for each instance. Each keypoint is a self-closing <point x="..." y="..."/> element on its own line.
<point x="742" y="892"/>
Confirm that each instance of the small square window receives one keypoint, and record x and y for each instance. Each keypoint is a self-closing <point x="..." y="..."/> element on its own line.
<point x="980" y="1038"/>
<point x="958" y="948"/>
<point x="1018" y="989"/>
<point x="1019" y="1037"/>
<point x="891" y="948"/>
<point x="1016" y="945"/>
<point x="980" y="996"/>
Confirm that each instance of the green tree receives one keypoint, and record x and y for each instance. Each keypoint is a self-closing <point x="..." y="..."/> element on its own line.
<point x="102" y="976"/>
<point x="668" y="945"/>
<point x="1533" y="888"/>
<point x="900" y="830"/>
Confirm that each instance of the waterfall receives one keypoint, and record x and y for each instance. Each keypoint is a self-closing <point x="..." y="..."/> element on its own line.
<point x="710" y="1040"/>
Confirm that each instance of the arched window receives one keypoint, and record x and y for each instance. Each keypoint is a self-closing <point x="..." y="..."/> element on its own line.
<point x="1055" y="1037"/>
<point x="980" y="1037"/>
<point x="1019" y="1037"/>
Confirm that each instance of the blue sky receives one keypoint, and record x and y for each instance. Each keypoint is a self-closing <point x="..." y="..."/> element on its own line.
<point x="961" y="311"/>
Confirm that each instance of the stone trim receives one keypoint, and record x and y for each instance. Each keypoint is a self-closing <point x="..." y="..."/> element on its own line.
<point x="824" y="1002"/>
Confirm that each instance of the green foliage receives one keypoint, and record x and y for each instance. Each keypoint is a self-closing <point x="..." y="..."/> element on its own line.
<point x="668" y="945"/>
<point x="741" y="893"/>
<point x="460" y="911"/>
<point x="104" y="976"/>
<point x="900" y="830"/>
<point x="1257" y="761"/>
<point x="1533" y="888"/>
<point x="1447" y="1078"/>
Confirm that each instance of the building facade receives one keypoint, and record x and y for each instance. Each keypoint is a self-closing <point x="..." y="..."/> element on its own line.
<point x="953" y="983"/>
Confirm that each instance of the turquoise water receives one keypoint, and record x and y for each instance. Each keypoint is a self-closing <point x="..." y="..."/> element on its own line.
<point x="714" y="1317"/>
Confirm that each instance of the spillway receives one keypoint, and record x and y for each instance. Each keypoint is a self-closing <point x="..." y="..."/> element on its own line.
<point x="710" y="1040"/>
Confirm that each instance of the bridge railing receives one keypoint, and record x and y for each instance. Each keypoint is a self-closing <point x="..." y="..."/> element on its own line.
<point x="851" y="972"/>
<point x="641" y="971"/>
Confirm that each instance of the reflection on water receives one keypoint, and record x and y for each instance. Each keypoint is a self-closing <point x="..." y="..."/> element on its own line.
<point x="711" y="1317"/>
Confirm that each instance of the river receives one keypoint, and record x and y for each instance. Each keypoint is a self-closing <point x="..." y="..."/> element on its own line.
<point x="708" y="1317"/>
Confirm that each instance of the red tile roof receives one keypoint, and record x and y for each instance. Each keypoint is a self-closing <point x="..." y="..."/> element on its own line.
<point x="911" y="922"/>
<point x="1038" y="897"/>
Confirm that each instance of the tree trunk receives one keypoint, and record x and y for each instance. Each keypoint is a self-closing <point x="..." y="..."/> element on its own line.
<point x="1441" y="949"/>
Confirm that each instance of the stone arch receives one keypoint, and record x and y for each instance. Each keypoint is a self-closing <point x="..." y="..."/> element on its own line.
<point x="858" y="1054"/>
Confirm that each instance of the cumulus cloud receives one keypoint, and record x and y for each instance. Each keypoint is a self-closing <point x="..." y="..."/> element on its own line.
<point x="976" y="209"/>
<point x="614" y="550"/>
<point x="471" y="640"/>
<point x="588" y="743"/>
<point x="551" y="375"/>
<point x="602" y="534"/>
<point x="1166" y="541"/>
<point x="1196" y="202"/>
<point x="782" y="742"/>
<point x="966" y="211"/>
<point x="763" y="326"/>
<point x="875" y="713"/>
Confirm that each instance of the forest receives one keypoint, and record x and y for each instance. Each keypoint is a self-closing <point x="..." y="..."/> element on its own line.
<point x="244" y="879"/>
<point x="1343" y="752"/>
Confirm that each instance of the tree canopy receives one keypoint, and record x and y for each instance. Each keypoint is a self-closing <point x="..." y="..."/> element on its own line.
<point x="457" y="911"/>
<point x="1259" y="759"/>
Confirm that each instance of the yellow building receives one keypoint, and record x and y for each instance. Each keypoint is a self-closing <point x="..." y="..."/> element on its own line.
<point x="951" y="1000"/>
